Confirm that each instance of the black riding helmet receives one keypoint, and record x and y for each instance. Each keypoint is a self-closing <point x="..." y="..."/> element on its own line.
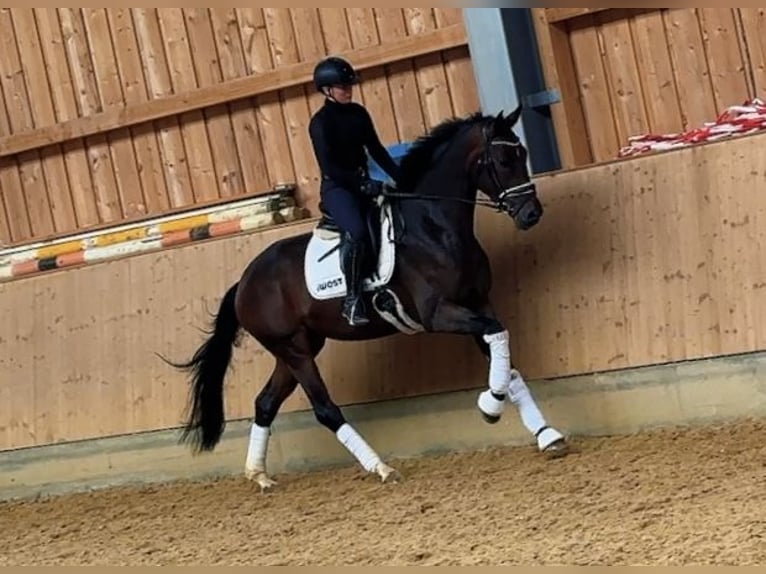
<point x="334" y="71"/>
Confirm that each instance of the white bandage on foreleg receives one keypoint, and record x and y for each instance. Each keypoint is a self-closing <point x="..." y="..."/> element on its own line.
<point x="256" y="450"/>
<point x="499" y="362"/>
<point x="357" y="446"/>
<point x="520" y="395"/>
<point x="489" y="405"/>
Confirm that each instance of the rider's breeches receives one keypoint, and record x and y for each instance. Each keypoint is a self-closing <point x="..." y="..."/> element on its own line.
<point x="346" y="208"/>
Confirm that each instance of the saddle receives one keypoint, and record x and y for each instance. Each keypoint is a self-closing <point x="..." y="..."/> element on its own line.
<point x="324" y="279"/>
<point x="322" y="261"/>
<point x="329" y="230"/>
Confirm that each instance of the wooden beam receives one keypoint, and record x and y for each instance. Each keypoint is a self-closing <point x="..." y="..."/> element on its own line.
<point x="426" y="43"/>
<point x="559" y="73"/>
<point x="561" y="14"/>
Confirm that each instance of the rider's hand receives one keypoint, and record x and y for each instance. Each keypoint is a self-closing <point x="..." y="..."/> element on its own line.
<point x="372" y="187"/>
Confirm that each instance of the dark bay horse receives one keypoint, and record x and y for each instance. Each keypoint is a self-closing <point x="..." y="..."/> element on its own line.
<point x="440" y="284"/>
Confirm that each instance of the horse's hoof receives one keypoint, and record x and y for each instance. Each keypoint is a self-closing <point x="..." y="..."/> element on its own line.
<point x="491" y="419"/>
<point x="388" y="474"/>
<point x="264" y="481"/>
<point x="491" y="406"/>
<point x="557" y="449"/>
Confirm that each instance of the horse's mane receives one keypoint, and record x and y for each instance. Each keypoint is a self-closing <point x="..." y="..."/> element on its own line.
<point x="420" y="154"/>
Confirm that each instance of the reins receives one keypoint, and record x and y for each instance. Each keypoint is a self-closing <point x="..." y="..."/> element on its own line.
<point x="518" y="190"/>
<point x="475" y="201"/>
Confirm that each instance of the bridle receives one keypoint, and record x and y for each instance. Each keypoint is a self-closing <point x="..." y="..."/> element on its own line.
<point x="486" y="162"/>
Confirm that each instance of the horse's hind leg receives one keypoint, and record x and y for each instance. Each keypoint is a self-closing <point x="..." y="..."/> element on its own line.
<point x="281" y="384"/>
<point x="300" y="359"/>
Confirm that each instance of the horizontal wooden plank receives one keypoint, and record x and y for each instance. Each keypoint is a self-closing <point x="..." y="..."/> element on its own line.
<point x="287" y="76"/>
<point x="561" y="14"/>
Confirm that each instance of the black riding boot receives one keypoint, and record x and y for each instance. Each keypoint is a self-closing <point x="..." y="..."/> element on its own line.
<point x="352" y="254"/>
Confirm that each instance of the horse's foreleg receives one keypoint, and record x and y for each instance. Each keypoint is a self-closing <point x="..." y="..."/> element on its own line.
<point x="267" y="404"/>
<point x="504" y="380"/>
<point x="328" y="413"/>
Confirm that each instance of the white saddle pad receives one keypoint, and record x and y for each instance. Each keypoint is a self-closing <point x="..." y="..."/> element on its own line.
<point x="324" y="279"/>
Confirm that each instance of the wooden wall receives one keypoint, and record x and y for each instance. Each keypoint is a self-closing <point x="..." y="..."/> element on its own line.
<point x="110" y="114"/>
<point x="636" y="262"/>
<point x="625" y="72"/>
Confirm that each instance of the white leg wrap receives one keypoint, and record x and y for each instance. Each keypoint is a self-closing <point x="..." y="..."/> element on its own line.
<point x="357" y="446"/>
<point x="490" y="405"/>
<point x="505" y="380"/>
<point x="520" y="395"/>
<point x="500" y="361"/>
<point x="548" y="437"/>
<point x="256" y="450"/>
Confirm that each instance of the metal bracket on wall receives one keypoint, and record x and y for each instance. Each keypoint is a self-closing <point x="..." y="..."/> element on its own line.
<point x="541" y="99"/>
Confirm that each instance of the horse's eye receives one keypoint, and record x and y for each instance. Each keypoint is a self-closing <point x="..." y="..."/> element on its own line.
<point x="505" y="160"/>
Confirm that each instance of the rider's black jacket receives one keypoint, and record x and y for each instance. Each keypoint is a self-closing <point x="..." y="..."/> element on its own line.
<point x="340" y="133"/>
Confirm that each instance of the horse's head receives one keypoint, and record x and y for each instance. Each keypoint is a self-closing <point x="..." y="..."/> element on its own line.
<point x="502" y="171"/>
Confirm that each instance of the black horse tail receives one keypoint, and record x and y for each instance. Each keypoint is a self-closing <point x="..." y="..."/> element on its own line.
<point x="206" y="419"/>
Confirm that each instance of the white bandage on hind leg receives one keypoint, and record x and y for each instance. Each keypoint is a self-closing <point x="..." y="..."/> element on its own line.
<point x="521" y="396"/>
<point x="499" y="362"/>
<point x="256" y="450"/>
<point x="357" y="446"/>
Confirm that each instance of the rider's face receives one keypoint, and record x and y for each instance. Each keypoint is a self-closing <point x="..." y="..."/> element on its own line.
<point x="342" y="94"/>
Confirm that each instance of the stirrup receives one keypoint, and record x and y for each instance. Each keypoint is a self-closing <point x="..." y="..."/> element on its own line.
<point x="351" y="312"/>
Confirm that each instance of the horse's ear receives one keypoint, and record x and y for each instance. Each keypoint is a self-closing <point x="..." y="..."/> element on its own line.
<point x="514" y="117"/>
<point x="498" y="124"/>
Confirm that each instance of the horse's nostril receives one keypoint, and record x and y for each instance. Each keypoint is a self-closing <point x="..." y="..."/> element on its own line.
<point x="530" y="214"/>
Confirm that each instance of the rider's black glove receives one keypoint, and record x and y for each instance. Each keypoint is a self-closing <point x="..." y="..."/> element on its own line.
<point x="372" y="187"/>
